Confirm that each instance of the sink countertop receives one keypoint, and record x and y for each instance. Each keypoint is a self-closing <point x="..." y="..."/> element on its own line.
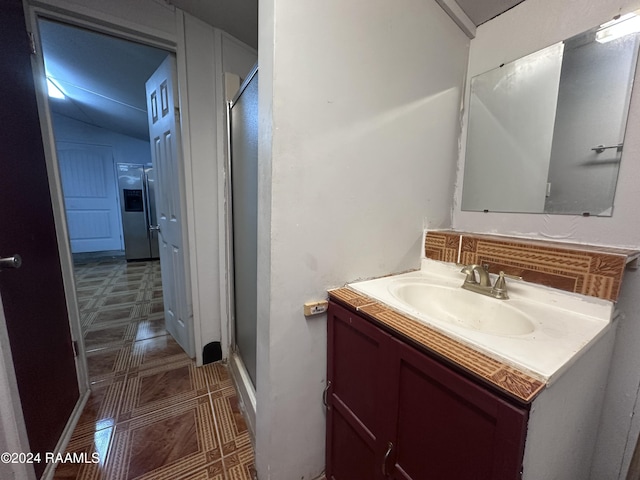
<point x="566" y="324"/>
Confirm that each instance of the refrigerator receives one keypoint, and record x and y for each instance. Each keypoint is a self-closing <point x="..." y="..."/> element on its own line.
<point x="138" y="209"/>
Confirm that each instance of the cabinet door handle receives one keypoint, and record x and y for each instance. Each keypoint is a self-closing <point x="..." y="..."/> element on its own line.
<point x="325" y="392"/>
<point x="385" y="459"/>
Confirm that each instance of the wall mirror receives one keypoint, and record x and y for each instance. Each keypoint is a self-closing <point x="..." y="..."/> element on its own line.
<point x="546" y="132"/>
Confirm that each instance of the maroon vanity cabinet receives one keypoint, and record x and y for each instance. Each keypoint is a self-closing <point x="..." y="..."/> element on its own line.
<point x="394" y="412"/>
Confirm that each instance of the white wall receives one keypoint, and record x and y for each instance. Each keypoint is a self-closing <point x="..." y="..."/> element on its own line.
<point x="197" y="81"/>
<point x="359" y="106"/>
<point x="125" y="149"/>
<point x="208" y="52"/>
<point x="530" y="26"/>
<point x="237" y="57"/>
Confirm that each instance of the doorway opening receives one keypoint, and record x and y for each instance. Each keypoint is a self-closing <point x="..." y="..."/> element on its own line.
<point x="98" y="111"/>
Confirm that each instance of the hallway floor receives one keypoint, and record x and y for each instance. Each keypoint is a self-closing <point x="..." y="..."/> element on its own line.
<point x="152" y="414"/>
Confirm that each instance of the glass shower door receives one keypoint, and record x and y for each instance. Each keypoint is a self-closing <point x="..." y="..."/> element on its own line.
<point x="244" y="201"/>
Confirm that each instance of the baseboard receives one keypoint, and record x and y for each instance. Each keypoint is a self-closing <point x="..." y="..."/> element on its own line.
<point x="246" y="392"/>
<point x="50" y="469"/>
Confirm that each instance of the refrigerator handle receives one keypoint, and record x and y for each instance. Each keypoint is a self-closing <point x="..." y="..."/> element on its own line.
<point x="147" y="208"/>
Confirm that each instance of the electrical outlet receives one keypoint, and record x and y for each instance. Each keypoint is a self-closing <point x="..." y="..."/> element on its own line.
<point x="315" y="308"/>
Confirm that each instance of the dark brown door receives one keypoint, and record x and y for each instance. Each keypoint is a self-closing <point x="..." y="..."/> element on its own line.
<point x="33" y="295"/>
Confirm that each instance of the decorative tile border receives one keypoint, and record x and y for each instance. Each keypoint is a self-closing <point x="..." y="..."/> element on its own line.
<point x="443" y="246"/>
<point x="585" y="269"/>
<point x="508" y="379"/>
<point x="350" y="298"/>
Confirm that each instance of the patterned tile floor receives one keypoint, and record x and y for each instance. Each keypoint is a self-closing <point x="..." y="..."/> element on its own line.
<point x="152" y="413"/>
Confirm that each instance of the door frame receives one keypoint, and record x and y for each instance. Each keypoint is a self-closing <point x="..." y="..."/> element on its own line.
<point x="244" y="385"/>
<point x="231" y="80"/>
<point x="173" y="42"/>
<point x="13" y="434"/>
<point x="101" y="22"/>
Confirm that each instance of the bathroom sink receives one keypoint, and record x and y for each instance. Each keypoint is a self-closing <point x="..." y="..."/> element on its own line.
<point x="538" y="329"/>
<point x="463" y="308"/>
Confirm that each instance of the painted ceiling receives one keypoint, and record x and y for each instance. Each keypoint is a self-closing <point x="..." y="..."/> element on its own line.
<point x="103" y="77"/>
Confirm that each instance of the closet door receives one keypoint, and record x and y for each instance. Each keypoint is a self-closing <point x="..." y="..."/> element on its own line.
<point x="90" y="197"/>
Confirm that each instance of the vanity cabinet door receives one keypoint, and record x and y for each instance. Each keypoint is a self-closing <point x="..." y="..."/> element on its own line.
<point x="357" y="368"/>
<point x="448" y="427"/>
<point x="395" y="412"/>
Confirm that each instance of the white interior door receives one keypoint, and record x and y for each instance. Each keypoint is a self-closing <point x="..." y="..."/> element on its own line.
<point x="90" y="197"/>
<point x="164" y="135"/>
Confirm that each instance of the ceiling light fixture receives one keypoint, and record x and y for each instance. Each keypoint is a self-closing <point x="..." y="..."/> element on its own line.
<point x="625" y="25"/>
<point x="54" y="90"/>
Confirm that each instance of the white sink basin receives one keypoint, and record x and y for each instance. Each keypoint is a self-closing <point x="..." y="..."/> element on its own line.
<point x="538" y="329"/>
<point x="464" y="308"/>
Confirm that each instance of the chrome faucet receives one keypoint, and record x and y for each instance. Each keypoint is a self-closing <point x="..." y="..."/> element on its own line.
<point x="482" y="283"/>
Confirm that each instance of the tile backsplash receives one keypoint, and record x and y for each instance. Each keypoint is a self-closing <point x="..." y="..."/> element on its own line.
<point x="589" y="270"/>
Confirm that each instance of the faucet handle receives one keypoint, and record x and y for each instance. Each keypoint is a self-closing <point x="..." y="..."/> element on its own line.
<point x="469" y="271"/>
<point x="499" y="289"/>
<point x="512" y="277"/>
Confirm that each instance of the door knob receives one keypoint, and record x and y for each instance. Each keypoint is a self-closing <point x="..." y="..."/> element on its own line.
<point x="10" y="262"/>
<point x="153" y="228"/>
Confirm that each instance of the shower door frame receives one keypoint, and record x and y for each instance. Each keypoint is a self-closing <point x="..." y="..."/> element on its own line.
<point x="245" y="387"/>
